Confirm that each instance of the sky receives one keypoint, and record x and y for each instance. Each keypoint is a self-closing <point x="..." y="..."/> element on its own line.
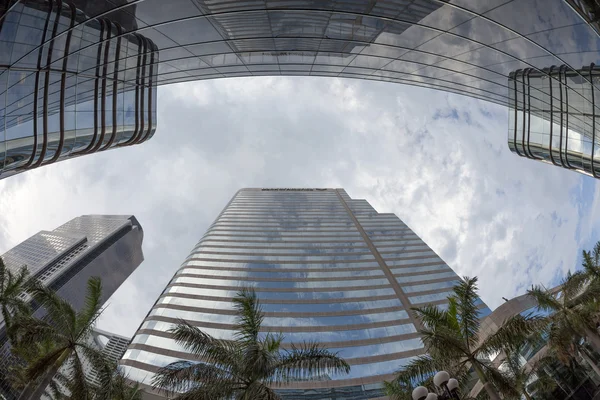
<point x="439" y="161"/>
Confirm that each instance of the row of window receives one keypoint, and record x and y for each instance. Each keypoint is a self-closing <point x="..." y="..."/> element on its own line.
<point x="296" y="307"/>
<point x="296" y="295"/>
<point x="291" y="284"/>
<point x="345" y="352"/>
<point x="301" y="337"/>
<point x="290" y="321"/>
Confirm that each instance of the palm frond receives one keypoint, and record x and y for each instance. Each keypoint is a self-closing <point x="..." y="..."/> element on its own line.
<point x="420" y="369"/>
<point x="223" y="353"/>
<point x="432" y="317"/>
<point x="258" y="391"/>
<point x="500" y="381"/>
<point x="58" y="310"/>
<point x="397" y="390"/>
<point x="513" y="333"/>
<point x="183" y="376"/>
<point x="544" y="299"/>
<point x="43" y="364"/>
<point x="93" y="304"/>
<point x="305" y="362"/>
<point x="443" y="343"/>
<point x="466" y="305"/>
<point x="249" y="315"/>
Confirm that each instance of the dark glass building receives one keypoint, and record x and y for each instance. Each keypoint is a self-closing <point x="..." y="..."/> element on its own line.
<point x="78" y="77"/>
<point x="106" y="246"/>
<point x="325" y="267"/>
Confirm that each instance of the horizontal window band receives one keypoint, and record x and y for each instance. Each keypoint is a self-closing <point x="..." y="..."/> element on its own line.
<point x="280" y="262"/>
<point x="329" y="345"/>
<point x="286" y="301"/>
<point x="300" y="254"/>
<point x="374" y="379"/>
<point x="275" y="270"/>
<point x="247" y="279"/>
<point x="289" y="329"/>
<point x="282" y="314"/>
<point x="324" y="240"/>
<point x="351" y="361"/>
<point x="215" y="246"/>
<point x="286" y="290"/>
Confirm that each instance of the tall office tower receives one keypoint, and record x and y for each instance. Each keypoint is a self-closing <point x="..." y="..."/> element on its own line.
<point x="99" y="50"/>
<point x="71" y="85"/>
<point x="325" y="267"/>
<point x="107" y="246"/>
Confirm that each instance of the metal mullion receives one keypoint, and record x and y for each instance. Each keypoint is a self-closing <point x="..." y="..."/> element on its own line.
<point x="524" y="111"/>
<point x="551" y="117"/>
<point x="593" y="167"/>
<point x="154" y="50"/>
<point x="142" y="89"/>
<point x="567" y="122"/>
<point x="109" y="30"/>
<point x="63" y="79"/>
<point x="46" y="84"/>
<point x="36" y="89"/>
<point x="100" y="45"/>
<point x="560" y="88"/>
<point x="115" y="88"/>
<point x="529" y="117"/>
<point x="137" y="92"/>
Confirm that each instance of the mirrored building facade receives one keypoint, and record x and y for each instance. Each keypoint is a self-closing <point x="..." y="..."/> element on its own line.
<point x="71" y="85"/>
<point x="105" y="246"/>
<point x="80" y="76"/>
<point x="325" y="267"/>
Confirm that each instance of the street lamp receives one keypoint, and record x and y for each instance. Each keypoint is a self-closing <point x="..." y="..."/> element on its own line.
<point x="443" y="381"/>
<point x="448" y="385"/>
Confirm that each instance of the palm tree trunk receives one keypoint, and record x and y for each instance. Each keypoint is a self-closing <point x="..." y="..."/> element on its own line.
<point x="35" y="392"/>
<point x="488" y="387"/>
<point x="591" y="362"/>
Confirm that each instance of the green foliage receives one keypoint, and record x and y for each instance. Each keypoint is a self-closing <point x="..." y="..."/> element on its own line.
<point x="452" y="342"/>
<point x="247" y="367"/>
<point x="61" y="338"/>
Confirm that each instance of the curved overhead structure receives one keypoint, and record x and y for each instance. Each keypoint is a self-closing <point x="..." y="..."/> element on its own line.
<point x="80" y="76"/>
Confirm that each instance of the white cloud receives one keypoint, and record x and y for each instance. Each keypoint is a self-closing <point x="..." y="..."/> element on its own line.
<point x="439" y="161"/>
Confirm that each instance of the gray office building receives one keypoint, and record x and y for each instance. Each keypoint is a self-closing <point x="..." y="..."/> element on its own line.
<point x="107" y="246"/>
<point x="80" y="76"/>
<point x="325" y="267"/>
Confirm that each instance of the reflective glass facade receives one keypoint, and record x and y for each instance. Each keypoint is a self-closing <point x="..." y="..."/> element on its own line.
<point x="106" y="246"/>
<point x="70" y="84"/>
<point x="325" y="267"/>
<point x="80" y="76"/>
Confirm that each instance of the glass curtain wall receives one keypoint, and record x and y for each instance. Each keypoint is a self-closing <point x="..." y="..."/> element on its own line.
<point x="325" y="268"/>
<point x="109" y="55"/>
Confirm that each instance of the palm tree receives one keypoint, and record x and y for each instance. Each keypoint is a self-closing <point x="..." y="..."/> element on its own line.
<point x="113" y="385"/>
<point x="452" y="342"/>
<point x="67" y="332"/>
<point x="245" y="368"/>
<point x="572" y="314"/>
<point x="523" y="376"/>
<point x="591" y="263"/>
<point x="12" y="287"/>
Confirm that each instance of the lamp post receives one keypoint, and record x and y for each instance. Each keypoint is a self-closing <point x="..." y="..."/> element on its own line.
<point x="448" y="387"/>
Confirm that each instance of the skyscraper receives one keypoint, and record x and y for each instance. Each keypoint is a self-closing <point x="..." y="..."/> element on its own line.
<point x="325" y="267"/>
<point x="107" y="246"/>
<point x="69" y="70"/>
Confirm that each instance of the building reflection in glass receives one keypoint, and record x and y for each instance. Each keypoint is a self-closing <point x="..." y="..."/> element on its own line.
<point x="80" y="76"/>
<point x="71" y="85"/>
